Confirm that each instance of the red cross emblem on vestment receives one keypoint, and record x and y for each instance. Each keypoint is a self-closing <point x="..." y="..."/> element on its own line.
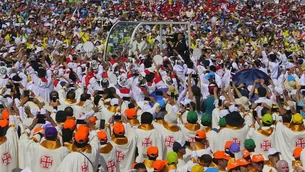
<point x="46" y="161"/>
<point x="169" y="141"/>
<point x="236" y="140"/>
<point x="119" y="155"/>
<point x="111" y="166"/>
<point x="146" y="142"/>
<point x="266" y="145"/>
<point x="191" y="139"/>
<point x="84" y="167"/>
<point x="6" y="158"/>
<point x="300" y="142"/>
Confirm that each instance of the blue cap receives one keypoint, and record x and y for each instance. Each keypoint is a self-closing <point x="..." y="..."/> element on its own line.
<point x="290" y="78"/>
<point x="161" y="103"/>
<point x="211" y="170"/>
<point x="176" y="146"/>
<point x="210" y="75"/>
<point x="50" y="132"/>
<point x="234" y="148"/>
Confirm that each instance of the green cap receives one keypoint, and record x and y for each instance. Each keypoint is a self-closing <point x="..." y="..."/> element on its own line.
<point x="206" y="119"/>
<point x="267" y="119"/>
<point x="249" y="144"/>
<point x="172" y="158"/>
<point x="222" y="122"/>
<point x="192" y="117"/>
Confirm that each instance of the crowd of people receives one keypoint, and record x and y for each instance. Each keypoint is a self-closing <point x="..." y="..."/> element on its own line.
<point x="228" y="96"/>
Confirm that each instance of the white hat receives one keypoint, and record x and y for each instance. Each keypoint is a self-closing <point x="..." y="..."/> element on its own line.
<point x="244" y="101"/>
<point x="272" y="151"/>
<point x="114" y="101"/>
<point x="171" y="118"/>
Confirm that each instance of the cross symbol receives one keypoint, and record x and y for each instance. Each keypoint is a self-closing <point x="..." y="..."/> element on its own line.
<point x="300" y="143"/>
<point x="6" y="158"/>
<point x="191" y="139"/>
<point x="146" y="142"/>
<point x="119" y="155"/>
<point x="169" y="141"/>
<point x="84" y="167"/>
<point x="236" y="140"/>
<point x="46" y="161"/>
<point x="265" y="145"/>
<point x="111" y="166"/>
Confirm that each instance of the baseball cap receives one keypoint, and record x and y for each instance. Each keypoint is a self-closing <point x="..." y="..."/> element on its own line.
<point x="5" y="114"/>
<point x="152" y="151"/>
<point x="177" y="146"/>
<point x="249" y="144"/>
<point x="118" y="128"/>
<point x="83" y="128"/>
<point x="3" y="123"/>
<point x="232" y="165"/>
<point x="159" y="165"/>
<point x="234" y="148"/>
<point x="242" y="162"/>
<point x="272" y="151"/>
<point x="51" y="132"/>
<point x="172" y="158"/>
<point x="222" y="122"/>
<point x="197" y="168"/>
<point x="246" y="153"/>
<point x="200" y="134"/>
<point x="297" y="152"/>
<point x="131" y="113"/>
<point x="228" y="144"/>
<point x="297" y="118"/>
<point x="257" y="158"/>
<point x="267" y="119"/>
<point x="192" y="117"/>
<point x="102" y="136"/>
<point x="221" y="155"/>
<point x="206" y="119"/>
<point x="36" y="130"/>
<point x="69" y="124"/>
<point x="81" y="136"/>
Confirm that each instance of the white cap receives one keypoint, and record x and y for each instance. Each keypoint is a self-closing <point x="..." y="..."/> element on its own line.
<point x="272" y="151"/>
<point x="114" y="101"/>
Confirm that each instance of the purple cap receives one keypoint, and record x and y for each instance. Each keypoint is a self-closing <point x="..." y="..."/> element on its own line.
<point x="234" y="148"/>
<point x="50" y="132"/>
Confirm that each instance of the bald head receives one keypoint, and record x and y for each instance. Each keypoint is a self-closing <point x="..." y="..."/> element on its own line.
<point x="282" y="166"/>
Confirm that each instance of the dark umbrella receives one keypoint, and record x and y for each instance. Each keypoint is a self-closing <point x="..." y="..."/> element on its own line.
<point x="248" y="76"/>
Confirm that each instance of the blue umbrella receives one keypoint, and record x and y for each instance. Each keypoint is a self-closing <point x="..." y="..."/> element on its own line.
<point x="248" y="76"/>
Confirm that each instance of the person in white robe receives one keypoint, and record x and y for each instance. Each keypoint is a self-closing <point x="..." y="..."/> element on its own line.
<point x="125" y="145"/>
<point x="147" y="136"/>
<point x="107" y="158"/>
<point x="8" y="144"/>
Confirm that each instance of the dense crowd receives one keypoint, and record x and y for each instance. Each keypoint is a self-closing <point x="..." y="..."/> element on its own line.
<point x="228" y="96"/>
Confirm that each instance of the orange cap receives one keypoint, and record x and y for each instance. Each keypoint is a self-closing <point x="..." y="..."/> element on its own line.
<point x="133" y="165"/>
<point x="92" y="119"/>
<point x="297" y="152"/>
<point x="69" y="124"/>
<point x="159" y="165"/>
<point x="200" y="134"/>
<point x="36" y="130"/>
<point x="118" y="128"/>
<point x="232" y="165"/>
<point x="102" y="136"/>
<point x="242" y="162"/>
<point x="258" y="158"/>
<point x="228" y="144"/>
<point x="221" y="155"/>
<point x="81" y="136"/>
<point x="3" y="123"/>
<point x="152" y="151"/>
<point x="5" y="114"/>
<point x="83" y="128"/>
<point x="131" y="113"/>
<point x="246" y="153"/>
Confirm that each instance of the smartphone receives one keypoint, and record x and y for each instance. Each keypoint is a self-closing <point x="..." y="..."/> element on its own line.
<point x="117" y="117"/>
<point x="80" y="121"/>
<point x="259" y="104"/>
<point x="254" y="114"/>
<point x="41" y="119"/>
<point x="187" y="144"/>
<point x="159" y="93"/>
<point x="126" y="98"/>
<point x="100" y="92"/>
<point x="102" y="124"/>
<point x="30" y="99"/>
